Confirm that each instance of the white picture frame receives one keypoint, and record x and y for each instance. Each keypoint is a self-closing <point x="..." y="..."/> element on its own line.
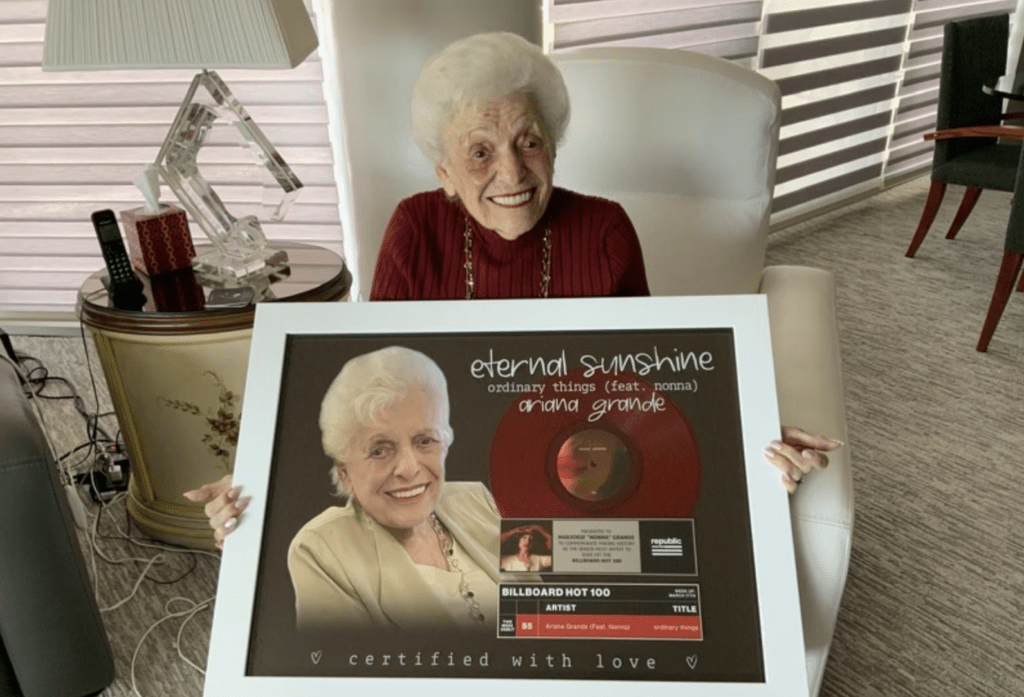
<point x="447" y="324"/>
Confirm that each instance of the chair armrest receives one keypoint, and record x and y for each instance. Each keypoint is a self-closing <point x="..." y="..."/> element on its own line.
<point x="50" y="627"/>
<point x="808" y="374"/>
<point x="1015" y="132"/>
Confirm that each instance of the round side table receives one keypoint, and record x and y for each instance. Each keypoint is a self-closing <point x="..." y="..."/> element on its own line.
<point x="176" y="370"/>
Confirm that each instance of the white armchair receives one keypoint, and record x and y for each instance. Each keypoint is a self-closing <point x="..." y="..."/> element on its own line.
<point x="687" y="144"/>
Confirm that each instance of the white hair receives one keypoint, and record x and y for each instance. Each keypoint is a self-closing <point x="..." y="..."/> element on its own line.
<point x="479" y="68"/>
<point x="369" y="384"/>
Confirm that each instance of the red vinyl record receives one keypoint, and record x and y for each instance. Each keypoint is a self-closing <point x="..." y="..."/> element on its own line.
<point x="607" y="453"/>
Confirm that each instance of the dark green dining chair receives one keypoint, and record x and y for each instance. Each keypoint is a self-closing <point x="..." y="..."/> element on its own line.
<point x="973" y="52"/>
<point x="1013" y="259"/>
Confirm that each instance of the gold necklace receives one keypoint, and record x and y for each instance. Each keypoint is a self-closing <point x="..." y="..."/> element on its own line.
<point x="545" y="277"/>
<point x="448" y="550"/>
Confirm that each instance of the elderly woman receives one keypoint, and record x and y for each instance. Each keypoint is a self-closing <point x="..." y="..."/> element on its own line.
<point x="488" y="111"/>
<point x="407" y="550"/>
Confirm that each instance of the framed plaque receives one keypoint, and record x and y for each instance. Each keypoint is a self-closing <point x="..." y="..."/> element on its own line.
<point x="510" y="496"/>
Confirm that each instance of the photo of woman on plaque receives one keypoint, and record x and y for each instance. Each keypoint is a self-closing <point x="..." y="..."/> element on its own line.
<point x="407" y="549"/>
<point x="526" y="548"/>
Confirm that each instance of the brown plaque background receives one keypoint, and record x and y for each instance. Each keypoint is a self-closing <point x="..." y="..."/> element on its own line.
<point x="299" y="490"/>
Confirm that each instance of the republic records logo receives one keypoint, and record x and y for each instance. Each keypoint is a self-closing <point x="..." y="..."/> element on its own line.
<point x="666" y="547"/>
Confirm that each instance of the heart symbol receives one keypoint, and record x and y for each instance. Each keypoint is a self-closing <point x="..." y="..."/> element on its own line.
<point x="691" y="661"/>
<point x="317" y="655"/>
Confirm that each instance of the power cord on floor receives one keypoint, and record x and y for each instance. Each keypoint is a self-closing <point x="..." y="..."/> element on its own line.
<point x="158" y="559"/>
<point x="188" y="613"/>
<point x="41" y="383"/>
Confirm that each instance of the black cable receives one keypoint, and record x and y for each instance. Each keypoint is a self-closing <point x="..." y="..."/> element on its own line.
<point x="5" y="340"/>
<point x="39" y="379"/>
<point x="88" y="364"/>
<point x="186" y="574"/>
<point x="74" y="450"/>
<point x="89" y="455"/>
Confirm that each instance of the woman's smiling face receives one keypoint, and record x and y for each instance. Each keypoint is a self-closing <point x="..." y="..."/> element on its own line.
<point x="499" y="163"/>
<point x="395" y="468"/>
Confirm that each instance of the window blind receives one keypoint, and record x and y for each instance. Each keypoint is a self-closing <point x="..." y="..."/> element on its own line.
<point x="837" y="65"/>
<point x="73" y="142"/>
<point x="918" y="95"/>
<point x="724" y="28"/>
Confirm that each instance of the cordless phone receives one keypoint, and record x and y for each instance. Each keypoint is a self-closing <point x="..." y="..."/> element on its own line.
<point x="125" y="287"/>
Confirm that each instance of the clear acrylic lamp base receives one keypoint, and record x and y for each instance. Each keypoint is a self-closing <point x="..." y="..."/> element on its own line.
<point x="226" y="267"/>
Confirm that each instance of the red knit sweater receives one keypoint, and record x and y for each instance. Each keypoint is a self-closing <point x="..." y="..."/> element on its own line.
<point x="594" y="252"/>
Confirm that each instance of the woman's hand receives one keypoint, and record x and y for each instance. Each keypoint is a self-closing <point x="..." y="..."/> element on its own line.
<point x="797" y="454"/>
<point x="223" y="506"/>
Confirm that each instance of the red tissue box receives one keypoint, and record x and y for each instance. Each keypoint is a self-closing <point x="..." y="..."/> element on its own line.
<point x="177" y="291"/>
<point x="158" y="242"/>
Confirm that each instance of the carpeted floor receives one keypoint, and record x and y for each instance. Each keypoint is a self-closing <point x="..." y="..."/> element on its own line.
<point x="934" y="602"/>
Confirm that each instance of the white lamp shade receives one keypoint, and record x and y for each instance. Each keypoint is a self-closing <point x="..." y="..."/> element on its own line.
<point x="125" y="34"/>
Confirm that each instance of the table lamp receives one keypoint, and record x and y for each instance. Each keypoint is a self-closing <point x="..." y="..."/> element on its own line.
<point x="203" y="34"/>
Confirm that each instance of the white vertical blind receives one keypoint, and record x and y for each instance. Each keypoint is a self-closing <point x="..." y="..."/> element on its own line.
<point x="918" y="95"/>
<point x="859" y="78"/>
<point x="837" y="64"/>
<point x="72" y="142"/>
<point x="725" y="28"/>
